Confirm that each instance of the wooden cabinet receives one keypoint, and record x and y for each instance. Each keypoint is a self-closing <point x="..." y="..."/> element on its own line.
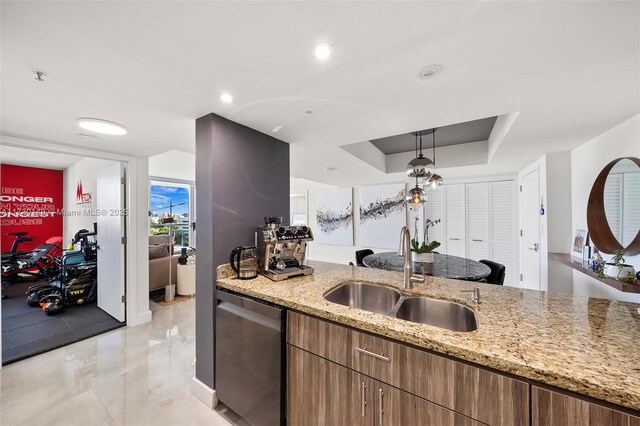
<point x="555" y="409"/>
<point x="322" y="393"/>
<point x="395" y="407"/>
<point x="480" y="394"/>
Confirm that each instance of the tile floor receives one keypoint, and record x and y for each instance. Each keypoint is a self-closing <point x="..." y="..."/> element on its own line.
<point x="131" y="376"/>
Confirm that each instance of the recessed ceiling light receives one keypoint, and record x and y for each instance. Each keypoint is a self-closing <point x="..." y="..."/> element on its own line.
<point x="322" y="51"/>
<point x="81" y="137"/>
<point x="102" y="126"/>
<point x="429" y="71"/>
<point x="308" y="111"/>
<point x="226" y="98"/>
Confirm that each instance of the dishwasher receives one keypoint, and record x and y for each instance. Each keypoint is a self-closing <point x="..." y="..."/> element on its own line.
<point x="250" y="358"/>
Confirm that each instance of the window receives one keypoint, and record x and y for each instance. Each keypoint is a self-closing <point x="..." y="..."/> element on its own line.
<point x="172" y="199"/>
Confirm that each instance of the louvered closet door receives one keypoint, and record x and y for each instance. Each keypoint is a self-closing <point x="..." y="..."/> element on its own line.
<point x="478" y="220"/>
<point x="454" y="221"/>
<point x="434" y="209"/>
<point x="631" y="211"/>
<point x="613" y="203"/>
<point x="503" y="228"/>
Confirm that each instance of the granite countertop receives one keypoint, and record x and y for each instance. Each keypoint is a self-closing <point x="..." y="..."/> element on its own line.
<point x="589" y="346"/>
<point x="443" y="265"/>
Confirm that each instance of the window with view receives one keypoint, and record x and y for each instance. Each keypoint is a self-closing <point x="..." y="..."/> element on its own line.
<point x="168" y="199"/>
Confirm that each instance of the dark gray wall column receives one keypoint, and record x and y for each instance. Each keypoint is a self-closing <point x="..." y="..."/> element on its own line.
<point x="242" y="175"/>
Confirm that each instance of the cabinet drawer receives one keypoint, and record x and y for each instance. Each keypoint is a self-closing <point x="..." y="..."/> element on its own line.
<point x="475" y="392"/>
<point x="555" y="409"/>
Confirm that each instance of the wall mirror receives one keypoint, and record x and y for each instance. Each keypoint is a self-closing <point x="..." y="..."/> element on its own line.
<point x="613" y="211"/>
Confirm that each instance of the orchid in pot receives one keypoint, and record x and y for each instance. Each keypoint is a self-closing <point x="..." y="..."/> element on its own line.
<point x="423" y="251"/>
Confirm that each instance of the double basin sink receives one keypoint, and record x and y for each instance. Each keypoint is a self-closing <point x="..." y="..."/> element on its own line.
<point x="389" y="301"/>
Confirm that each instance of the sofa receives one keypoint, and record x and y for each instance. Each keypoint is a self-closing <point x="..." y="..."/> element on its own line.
<point x="159" y="262"/>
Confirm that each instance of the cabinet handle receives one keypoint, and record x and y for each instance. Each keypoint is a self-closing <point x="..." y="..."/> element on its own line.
<point x="366" y="352"/>
<point x="364" y="397"/>
<point x="478" y="241"/>
<point x="380" y="408"/>
<point x="454" y="239"/>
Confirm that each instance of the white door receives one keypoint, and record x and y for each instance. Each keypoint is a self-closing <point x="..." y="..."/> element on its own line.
<point x="530" y="228"/>
<point x="110" y="206"/>
<point x="478" y="220"/>
<point x="454" y="221"/>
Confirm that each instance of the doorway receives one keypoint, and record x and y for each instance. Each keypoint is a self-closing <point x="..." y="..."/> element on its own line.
<point x="530" y="230"/>
<point x="74" y="269"/>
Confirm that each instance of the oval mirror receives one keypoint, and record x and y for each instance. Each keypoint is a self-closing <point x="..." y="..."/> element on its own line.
<point x="613" y="211"/>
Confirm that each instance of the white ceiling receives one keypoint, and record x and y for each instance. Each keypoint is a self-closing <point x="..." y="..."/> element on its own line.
<point x="571" y="70"/>
<point x="30" y="158"/>
<point x="173" y="164"/>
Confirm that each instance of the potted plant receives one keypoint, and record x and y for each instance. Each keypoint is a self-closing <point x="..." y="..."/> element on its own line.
<point x="423" y="251"/>
<point x="617" y="269"/>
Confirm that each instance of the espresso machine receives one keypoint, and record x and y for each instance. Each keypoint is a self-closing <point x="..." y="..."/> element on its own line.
<point x="282" y="249"/>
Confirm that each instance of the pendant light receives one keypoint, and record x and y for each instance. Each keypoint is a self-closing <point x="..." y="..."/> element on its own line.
<point x="435" y="180"/>
<point x="416" y="196"/>
<point x="420" y="167"/>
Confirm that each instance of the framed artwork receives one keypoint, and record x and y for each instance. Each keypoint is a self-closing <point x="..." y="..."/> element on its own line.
<point x="382" y="215"/>
<point x="579" y="241"/>
<point x="334" y="216"/>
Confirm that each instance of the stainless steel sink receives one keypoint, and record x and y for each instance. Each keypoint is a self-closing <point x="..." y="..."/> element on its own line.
<point x="369" y="297"/>
<point x="438" y="313"/>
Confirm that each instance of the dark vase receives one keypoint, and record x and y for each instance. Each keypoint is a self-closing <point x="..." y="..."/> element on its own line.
<point x="183" y="257"/>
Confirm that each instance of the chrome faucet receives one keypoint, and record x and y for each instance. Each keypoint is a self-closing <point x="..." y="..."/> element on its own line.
<point x="475" y="294"/>
<point x="405" y="250"/>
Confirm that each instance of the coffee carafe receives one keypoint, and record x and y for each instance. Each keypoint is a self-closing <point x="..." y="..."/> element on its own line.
<point x="244" y="262"/>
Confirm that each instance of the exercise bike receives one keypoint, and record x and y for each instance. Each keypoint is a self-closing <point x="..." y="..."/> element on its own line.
<point x="20" y="237"/>
<point x="37" y="263"/>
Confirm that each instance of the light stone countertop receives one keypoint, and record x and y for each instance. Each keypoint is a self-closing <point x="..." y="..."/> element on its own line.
<point x="589" y="346"/>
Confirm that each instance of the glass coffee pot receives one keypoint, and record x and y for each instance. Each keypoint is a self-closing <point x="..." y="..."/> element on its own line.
<point x="244" y="262"/>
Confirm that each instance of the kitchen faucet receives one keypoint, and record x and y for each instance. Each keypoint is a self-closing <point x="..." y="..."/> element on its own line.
<point x="405" y="250"/>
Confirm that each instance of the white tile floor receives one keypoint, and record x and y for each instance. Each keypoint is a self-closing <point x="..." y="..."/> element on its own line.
<point x="130" y="376"/>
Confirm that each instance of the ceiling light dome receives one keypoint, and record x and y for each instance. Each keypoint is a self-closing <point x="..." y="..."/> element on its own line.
<point x="416" y="196"/>
<point x="434" y="181"/>
<point x="102" y="126"/>
<point x="420" y="167"/>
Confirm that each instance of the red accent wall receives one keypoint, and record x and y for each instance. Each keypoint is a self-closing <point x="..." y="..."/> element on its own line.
<point x="30" y="200"/>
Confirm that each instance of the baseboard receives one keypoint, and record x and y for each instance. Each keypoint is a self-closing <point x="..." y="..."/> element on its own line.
<point x="139" y="319"/>
<point x="204" y="393"/>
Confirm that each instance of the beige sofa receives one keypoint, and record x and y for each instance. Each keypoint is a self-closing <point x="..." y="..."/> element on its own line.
<point x="159" y="262"/>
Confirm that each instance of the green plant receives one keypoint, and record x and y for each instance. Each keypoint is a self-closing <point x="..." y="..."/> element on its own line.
<point x="618" y="258"/>
<point x="416" y="247"/>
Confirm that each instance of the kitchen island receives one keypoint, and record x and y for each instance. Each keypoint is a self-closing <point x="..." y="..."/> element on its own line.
<point x="576" y="344"/>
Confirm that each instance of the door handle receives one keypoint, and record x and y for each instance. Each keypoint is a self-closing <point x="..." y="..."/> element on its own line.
<point x="534" y="248"/>
<point x="380" y="408"/>
<point x="364" y="397"/>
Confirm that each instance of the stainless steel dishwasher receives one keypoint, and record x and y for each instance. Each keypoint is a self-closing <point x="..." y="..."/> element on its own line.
<point x="250" y="357"/>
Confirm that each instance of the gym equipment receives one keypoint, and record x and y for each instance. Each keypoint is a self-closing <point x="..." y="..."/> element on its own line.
<point x="76" y="282"/>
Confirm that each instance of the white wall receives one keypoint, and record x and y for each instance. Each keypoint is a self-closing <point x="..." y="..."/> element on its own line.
<point x="85" y="170"/>
<point x="174" y="164"/>
<point x="589" y="159"/>
<point x="346" y="254"/>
